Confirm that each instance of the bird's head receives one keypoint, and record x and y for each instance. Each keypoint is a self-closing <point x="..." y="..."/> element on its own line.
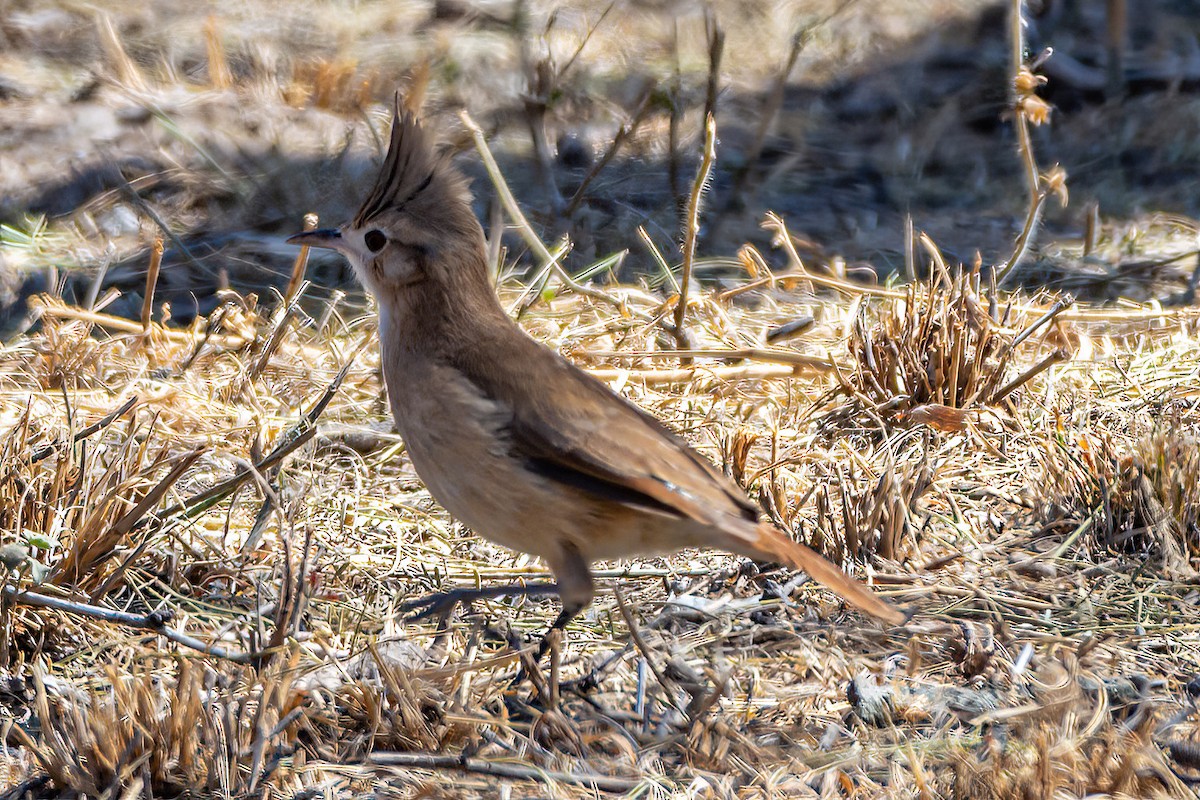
<point x="415" y="226"/>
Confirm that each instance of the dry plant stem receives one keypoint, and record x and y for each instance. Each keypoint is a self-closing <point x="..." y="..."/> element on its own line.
<point x="296" y="436"/>
<point x="53" y="307"/>
<point x="1057" y="357"/>
<point x="692" y="224"/>
<point x="748" y="353"/>
<point x="128" y="75"/>
<point x="673" y="93"/>
<point x="127" y="523"/>
<point x="770" y="109"/>
<point x="1016" y="40"/>
<point x="45" y="452"/>
<point x="661" y="377"/>
<point x="1037" y="193"/>
<point x="716" y="48"/>
<point x="1116" y="24"/>
<point x="1054" y="311"/>
<point x="149" y="211"/>
<point x="532" y="293"/>
<point x="527" y="233"/>
<point x="635" y="633"/>
<point x="151" y="622"/>
<point x="504" y="769"/>
<point x="272" y="342"/>
<point x="624" y="132"/>
<point x="1025" y="240"/>
<point x="587" y="37"/>
<point x="219" y="74"/>
<point x="910" y="254"/>
<point x="299" y="265"/>
<point x="156" y="254"/>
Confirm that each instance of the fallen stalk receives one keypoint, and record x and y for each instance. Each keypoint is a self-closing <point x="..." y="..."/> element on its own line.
<point x="155" y="622"/>
<point x="764" y="355"/>
<point x="657" y="377"/>
<point x="502" y="769"/>
<point x="51" y="307"/>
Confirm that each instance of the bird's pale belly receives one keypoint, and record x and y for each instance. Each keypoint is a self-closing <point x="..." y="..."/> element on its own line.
<point x="467" y="468"/>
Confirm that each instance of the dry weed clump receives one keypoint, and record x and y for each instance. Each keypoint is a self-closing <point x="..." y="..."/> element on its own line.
<point x="945" y="350"/>
<point x="1142" y="499"/>
<point x="1077" y="738"/>
<point x="863" y="512"/>
<point x="380" y="701"/>
<point x="149" y="734"/>
<point x="337" y="85"/>
<point x="76" y="514"/>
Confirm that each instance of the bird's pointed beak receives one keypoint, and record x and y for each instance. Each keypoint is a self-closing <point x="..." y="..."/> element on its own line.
<point x="329" y="238"/>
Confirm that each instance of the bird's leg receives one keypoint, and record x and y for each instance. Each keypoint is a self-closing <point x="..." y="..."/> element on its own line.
<point x="442" y="603"/>
<point x="575" y="589"/>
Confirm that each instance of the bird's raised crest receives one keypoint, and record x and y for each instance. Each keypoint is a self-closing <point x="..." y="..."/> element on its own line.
<point x="408" y="170"/>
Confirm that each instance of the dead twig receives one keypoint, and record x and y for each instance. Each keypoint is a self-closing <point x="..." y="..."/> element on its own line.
<point x="527" y="232"/>
<point x="293" y="438"/>
<point x="299" y="265"/>
<point x="155" y="621"/>
<point x="156" y="254"/>
<point x="46" y="451"/>
<point x="504" y="769"/>
<point x="691" y="228"/>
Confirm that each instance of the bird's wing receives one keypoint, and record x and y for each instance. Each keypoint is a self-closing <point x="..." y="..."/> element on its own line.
<point x="573" y="429"/>
<point x="569" y="427"/>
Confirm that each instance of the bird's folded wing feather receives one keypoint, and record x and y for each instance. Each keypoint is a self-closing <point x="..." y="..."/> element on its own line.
<point x="571" y="428"/>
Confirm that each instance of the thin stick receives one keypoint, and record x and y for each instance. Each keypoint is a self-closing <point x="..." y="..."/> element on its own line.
<point x="1057" y="357"/>
<point x="587" y="37"/>
<point x="1025" y="240"/>
<point x="1016" y="42"/>
<point x="272" y="343"/>
<point x="156" y="254"/>
<point x="154" y="621"/>
<point x="910" y="253"/>
<point x="504" y="769"/>
<point x="624" y="132"/>
<point x="716" y="49"/>
<point x="692" y="227"/>
<point x="53" y="307"/>
<point x="300" y="264"/>
<point x="527" y="233"/>
<point x="108" y="419"/>
<point x="1053" y="312"/>
<point x="296" y="436"/>
<point x="635" y="633"/>
<point x="765" y="355"/>
<point x="149" y="211"/>
<point x="658" y="377"/>
<point x="1037" y="193"/>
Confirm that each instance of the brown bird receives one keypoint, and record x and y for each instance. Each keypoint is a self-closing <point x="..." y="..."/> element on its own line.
<point x="512" y="439"/>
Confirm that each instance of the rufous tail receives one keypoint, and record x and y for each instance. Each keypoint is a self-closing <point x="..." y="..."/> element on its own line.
<point x="773" y="544"/>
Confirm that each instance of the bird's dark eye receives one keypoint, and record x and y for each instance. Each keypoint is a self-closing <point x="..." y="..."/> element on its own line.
<point x="375" y="240"/>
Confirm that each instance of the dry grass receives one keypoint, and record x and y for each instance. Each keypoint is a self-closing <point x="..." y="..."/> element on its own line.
<point x="746" y="675"/>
